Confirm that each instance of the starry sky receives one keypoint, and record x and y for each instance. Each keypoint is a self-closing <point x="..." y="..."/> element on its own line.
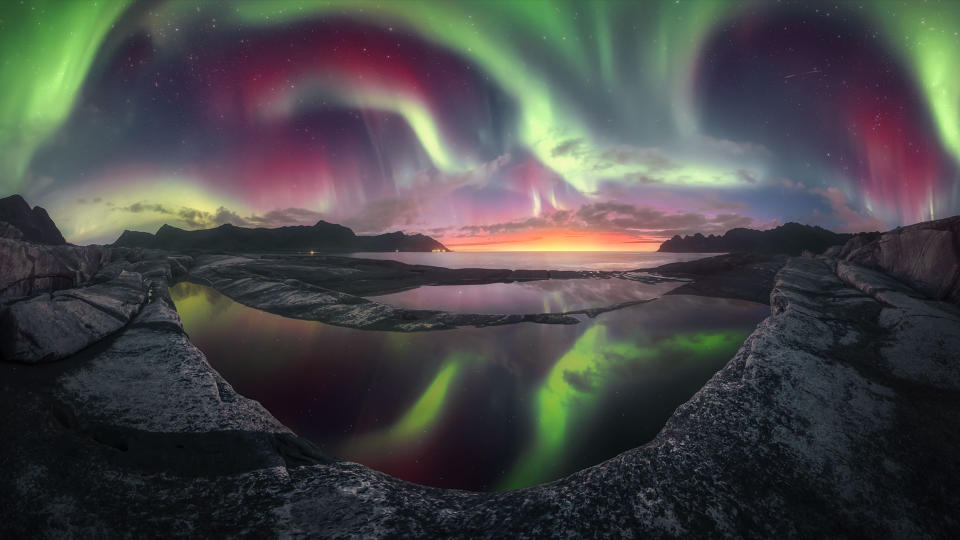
<point x="490" y="125"/>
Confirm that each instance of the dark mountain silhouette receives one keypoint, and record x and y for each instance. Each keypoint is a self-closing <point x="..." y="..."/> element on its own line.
<point x="790" y="239"/>
<point x="35" y="224"/>
<point x="325" y="237"/>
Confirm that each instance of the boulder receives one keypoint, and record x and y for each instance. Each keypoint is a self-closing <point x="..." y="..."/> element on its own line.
<point x="926" y="256"/>
<point x="9" y="231"/>
<point x="30" y="268"/>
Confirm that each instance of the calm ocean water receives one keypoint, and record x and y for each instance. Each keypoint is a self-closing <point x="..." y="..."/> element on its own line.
<point x="539" y="260"/>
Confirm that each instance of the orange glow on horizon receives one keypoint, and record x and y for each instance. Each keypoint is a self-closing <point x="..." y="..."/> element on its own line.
<point x="563" y="240"/>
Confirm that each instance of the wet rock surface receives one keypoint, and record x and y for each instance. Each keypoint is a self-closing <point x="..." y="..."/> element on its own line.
<point x="744" y="276"/>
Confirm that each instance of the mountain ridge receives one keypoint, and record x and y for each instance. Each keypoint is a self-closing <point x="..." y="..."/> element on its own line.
<point x="790" y="238"/>
<point x="322" y="236"/>
<point x="34" y="224"/>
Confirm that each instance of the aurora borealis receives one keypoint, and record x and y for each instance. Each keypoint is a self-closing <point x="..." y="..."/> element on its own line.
<point x="488" y="125"/>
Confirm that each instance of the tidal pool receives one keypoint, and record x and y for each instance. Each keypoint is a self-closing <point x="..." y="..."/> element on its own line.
<point x="473" y="408"/>
<point x="542" y="296"/>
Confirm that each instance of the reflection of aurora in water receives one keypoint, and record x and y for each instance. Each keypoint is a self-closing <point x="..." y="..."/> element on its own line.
<point x="580" y="374"/>
<point x="475" y="408"/>
<point x="542" y="296"/>
<point x="418" y="420"/>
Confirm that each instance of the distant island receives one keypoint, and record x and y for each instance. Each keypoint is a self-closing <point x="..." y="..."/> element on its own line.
<point x="321" y="237"/>
<point x="788" y="239"/>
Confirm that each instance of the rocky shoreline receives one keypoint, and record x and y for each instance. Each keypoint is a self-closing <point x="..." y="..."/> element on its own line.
<point x="837" y="415"/>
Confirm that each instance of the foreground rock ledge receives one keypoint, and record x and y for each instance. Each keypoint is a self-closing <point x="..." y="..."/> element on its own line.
<point x="838" y="415"/>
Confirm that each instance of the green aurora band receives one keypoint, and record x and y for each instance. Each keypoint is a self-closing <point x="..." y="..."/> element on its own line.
<point x="54" y="44"/>
<point x="927" y="34"/>
<point x="498" y="39"/>
<point x="48" y="48"/>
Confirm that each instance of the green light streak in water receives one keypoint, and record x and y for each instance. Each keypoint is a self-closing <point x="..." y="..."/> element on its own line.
<point x="48" y="47"/>
<point x="559" y="402"/>
<point x="420" y="418"/>
<point x="426" y="410"/>
<point x="926" y="34"/>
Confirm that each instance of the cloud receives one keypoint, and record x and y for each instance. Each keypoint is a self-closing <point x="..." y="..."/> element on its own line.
<point x="139" y="207"/>
<point x="382" y="214"/>
<point x="201" y="219"/>
<point x="570" y="147"/>
<point x="687" y="161"/>
<point x="641" y="178"/>
<point x="427" y="191"/>
<point x="275" y="218"/>
<point x="194" y="218"/>
<point x="501" y="241"/>
<point x="747" y="176"/>
<point x="712" y="202"/>
<point x="730" y="148"/>
<point x="849" y="220"/>
<point x="286" y="216"/>
<point x="653" y="159"/>
<point x="648" y="224"/>
<point x="790" y="185"/>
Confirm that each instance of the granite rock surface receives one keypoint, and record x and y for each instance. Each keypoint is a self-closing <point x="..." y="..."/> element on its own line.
<point x="837" y="416"/>
<point x="30" y="268"/>
<point x="925" y="256"/>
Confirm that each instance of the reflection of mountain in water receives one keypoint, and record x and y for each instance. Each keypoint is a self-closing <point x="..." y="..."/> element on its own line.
<point x="542" y="296"/>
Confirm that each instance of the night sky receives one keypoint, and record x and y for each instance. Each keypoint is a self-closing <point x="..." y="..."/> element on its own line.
<point x="489" y="125"/>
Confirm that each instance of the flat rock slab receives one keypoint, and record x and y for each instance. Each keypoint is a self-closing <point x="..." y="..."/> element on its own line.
<point x="744" y="276"/>
<point x="372" y="277"/>
<point x="49" y="327"/>
<point x="277" y="288"/>
<point x="151" y="378"/>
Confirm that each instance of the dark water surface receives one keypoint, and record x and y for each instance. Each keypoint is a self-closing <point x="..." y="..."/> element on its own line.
<point x="473" y="408"/>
